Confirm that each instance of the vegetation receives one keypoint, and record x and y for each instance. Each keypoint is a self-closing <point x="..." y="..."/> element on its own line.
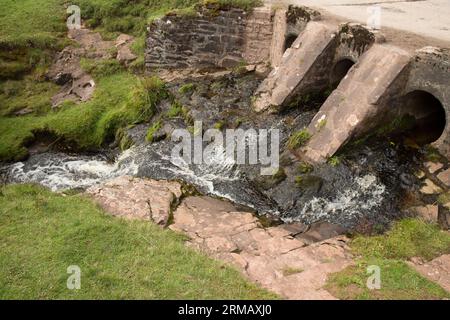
<point x="407" y="238"/>
<point x="305" y="167"/>
<point x="119" y="100"/>
<point x="175" y="110"/>
<point x="152" y="130"/>
<point x="114" y="16"/>
<point x="187" y="88"/>
<point x="29" y="32"/>
<point x="298" y="139"/>
<point x="119" y="259"/>
<point x="334" y="161"/>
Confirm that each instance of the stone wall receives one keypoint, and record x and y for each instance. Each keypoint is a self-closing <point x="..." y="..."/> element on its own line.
<point x="222" y="37"/>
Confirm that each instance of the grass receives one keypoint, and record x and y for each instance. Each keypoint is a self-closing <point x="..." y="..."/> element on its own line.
<point x="289" y="271"/>
<point x="408" y="238"/>
<point x="42" y="233"/>
<point x="29" y="32"/>
<point x="116" y="16"/>
<point x="152" y="130"/>
<point x="29" y="93"/>
<point x="334" y="161"/>
<point x="175" y="110"/>
<point x="298" y="139"/>
<point x="119" y="100"/>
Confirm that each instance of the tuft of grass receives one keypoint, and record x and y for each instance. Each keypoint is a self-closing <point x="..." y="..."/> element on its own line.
<point x="298" y="139"/>
<point x="408" y="238"/>
<point x="289" y="271"/>
<point x="44" y="233"/>
<point x="152" y="130"/>
<point x="334" y="161"/>
<point x="187" y="88"/>
<point x="175" y="110"/>
<point x="101" y="68"/>
<point x="305" y="167"/>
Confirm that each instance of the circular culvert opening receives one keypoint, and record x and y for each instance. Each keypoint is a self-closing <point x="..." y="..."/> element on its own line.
<point x="340" y="70"/>
<point x="427" y="114"/>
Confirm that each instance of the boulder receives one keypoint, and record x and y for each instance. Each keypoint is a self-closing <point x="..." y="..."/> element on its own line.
<point x="135" y="198"/>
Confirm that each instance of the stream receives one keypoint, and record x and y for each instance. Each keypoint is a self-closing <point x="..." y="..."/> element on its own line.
<point x="365" y="187"/>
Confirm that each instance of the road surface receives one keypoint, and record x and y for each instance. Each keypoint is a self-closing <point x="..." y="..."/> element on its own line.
<point x="428" y="18"/>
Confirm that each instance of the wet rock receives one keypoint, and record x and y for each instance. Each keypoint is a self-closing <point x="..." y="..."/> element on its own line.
<point x="428" y="213"/>
<point x="436" y="270"/>
<point x="135" y="198"/>
<point x="321" y="231"/>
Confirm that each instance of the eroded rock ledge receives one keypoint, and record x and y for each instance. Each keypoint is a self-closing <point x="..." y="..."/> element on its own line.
<point x="272" y="257"/>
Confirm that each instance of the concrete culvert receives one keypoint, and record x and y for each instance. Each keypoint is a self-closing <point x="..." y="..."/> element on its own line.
<point x="428" y="114"/>
<point x="340" y="70"/>
<point x="290" y="38"/>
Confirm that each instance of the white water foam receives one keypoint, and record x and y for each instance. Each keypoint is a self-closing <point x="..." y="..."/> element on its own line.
<point x="365" y="194"/>
<point x="69" y="172"/>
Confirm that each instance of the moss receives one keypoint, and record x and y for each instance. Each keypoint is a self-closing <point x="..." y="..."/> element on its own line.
<point x="305" y="167"/>
<point x="219" y="125"/>
<point x="298" y="139"/>
<point x="322" y="123"/>
<point x="187" y="88"/>
<point x="334" y="161"/>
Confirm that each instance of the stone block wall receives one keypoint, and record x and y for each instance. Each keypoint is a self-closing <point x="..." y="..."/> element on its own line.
<point x="222" y="37"/>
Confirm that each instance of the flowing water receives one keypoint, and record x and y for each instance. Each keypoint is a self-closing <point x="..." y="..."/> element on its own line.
<point x="367" y="185"/>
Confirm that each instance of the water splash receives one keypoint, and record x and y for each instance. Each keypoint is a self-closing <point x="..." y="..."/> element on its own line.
<point x="364" y="194"/>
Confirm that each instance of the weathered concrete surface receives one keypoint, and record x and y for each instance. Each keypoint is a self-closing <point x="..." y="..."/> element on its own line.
<point x="271" y="257"/>
<point x="297" y="62"/>
<point x="429" y="18"/>
<point x="436" y="270"/>
<point x="277" y="47"/>
<point x="430" y="72"/>
<point x="135" y="198"/>
<point x="360" y="97"/>
<point x="306" y="67"/>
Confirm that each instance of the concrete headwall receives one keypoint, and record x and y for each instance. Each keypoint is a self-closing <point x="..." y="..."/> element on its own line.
<point x="306" y="67"/>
